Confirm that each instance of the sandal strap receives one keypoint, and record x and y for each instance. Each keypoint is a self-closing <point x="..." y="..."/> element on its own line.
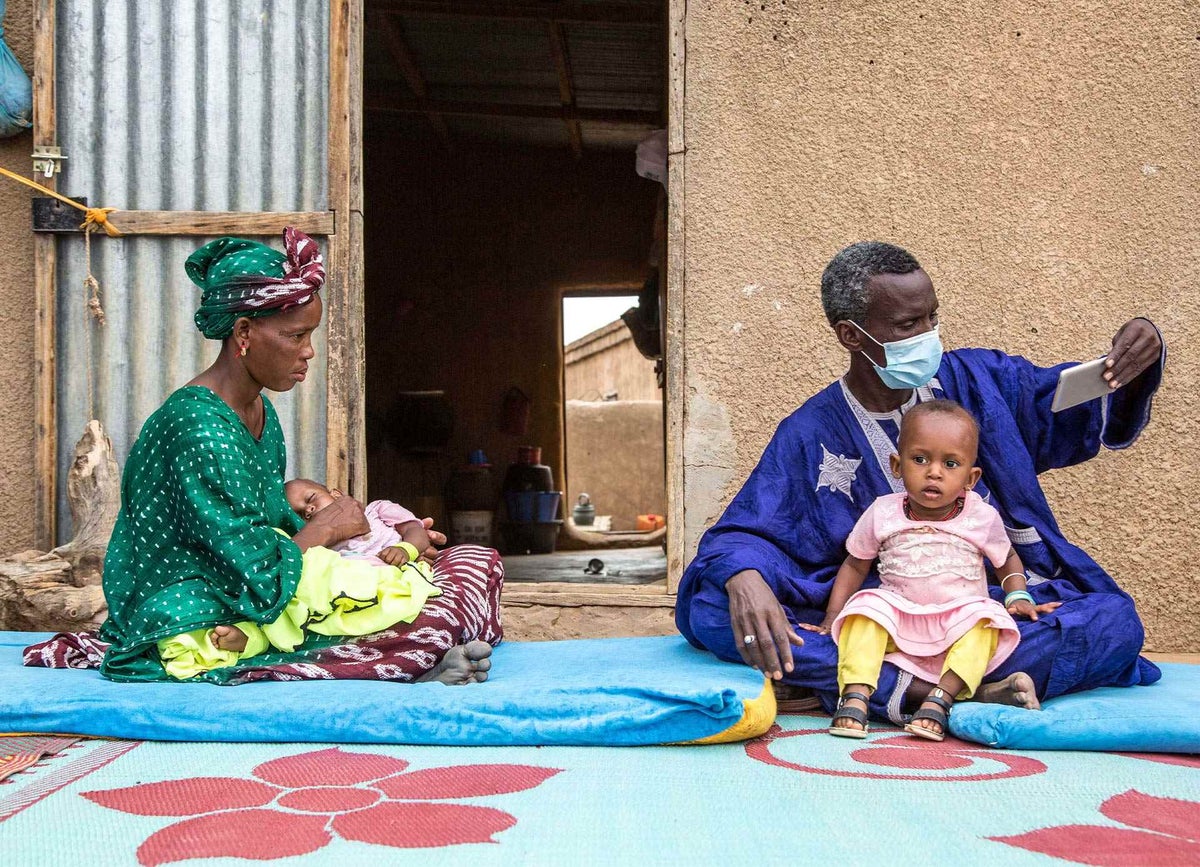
<point x="939" y="701"/>
<point x="932" y="714"/>
<point x="941" y="717"/>
<point x="851" y="713"/>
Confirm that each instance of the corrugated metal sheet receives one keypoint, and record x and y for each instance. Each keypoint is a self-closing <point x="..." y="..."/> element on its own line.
<point x="510" y="62"/>
<point x="179" y="105"/>
<point x="617" y="67"/>
<point x="484" y="60"/>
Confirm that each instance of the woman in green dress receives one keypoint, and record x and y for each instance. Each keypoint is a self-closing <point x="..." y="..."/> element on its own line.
<point x="205" y="536"/>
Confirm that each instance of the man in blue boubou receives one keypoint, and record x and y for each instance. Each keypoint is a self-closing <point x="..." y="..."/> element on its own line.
<point x="768" y="563"/>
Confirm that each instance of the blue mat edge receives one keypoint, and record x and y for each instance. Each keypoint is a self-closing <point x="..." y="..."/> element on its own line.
<point x="669" y="718"/>
<point x="1163" y="717"/>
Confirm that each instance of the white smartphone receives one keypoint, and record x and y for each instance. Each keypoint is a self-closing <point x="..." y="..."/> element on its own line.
<point x="1079" y="384"/>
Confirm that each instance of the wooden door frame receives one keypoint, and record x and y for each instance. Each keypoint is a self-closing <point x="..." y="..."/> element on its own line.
<point x="342" y="225"/>
<point x="674" y="359"/>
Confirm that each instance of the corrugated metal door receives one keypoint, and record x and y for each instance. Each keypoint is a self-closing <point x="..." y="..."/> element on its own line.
<point x="196" y="118"/>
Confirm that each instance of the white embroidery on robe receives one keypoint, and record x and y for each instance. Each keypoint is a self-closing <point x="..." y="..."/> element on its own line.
<point x="838" y="472"/>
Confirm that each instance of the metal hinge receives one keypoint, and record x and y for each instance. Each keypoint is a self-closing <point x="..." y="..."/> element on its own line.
<point x="47" y="161"/>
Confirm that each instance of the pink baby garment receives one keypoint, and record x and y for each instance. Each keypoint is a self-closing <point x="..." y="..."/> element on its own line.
<point x="933" y="587"/>
<point x="382" y="515"/>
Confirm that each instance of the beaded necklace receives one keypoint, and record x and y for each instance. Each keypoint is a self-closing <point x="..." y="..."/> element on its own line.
<point x="953" y="512"/>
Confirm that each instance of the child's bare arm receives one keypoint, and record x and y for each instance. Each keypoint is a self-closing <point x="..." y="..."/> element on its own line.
<point x="415" y="534"/>
<point x="1012" y="581"/>
<point x="411" y="532"/>
<point x="849" y="579"/>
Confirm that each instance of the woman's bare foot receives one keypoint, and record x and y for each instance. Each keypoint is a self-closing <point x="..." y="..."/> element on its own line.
<point x="462" y="664"/>
<point x="1016" y="690"/>
<point x="228" y="638"/>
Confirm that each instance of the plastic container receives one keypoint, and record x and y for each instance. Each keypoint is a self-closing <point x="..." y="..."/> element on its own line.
<point x="471" y="497"/>
<point x="471" y="487"/>
<point x="472" y="527"/>
<point x="584" y="513"/>
<point x="528" y="473"/>
<point x="547" y="505"/>
<point x="530" y="506"/>
<point x="521" y="506"/>
<point x="545" y="537"/>
<point x="651" y="522"/>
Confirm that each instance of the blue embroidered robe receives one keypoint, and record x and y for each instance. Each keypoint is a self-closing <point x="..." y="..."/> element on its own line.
<point x="829" y="460"/>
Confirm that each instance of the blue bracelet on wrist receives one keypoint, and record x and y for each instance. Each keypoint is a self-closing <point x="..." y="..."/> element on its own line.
<point x="1017" y="596"/>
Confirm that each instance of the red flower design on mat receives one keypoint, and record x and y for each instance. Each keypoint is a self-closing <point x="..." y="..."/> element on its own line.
<point x="1159" y="831"/>
<point x="299" y="803"/>
<point x="905" y="753"/>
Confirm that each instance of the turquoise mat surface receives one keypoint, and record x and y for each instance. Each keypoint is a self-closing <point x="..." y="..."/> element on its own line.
<point x="614" y="691"/>
<point x="1163" y="717"/>
<point x="794" y="797"/>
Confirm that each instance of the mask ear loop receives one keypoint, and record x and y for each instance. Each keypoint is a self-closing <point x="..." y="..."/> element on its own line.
<point x="867" y="334"/>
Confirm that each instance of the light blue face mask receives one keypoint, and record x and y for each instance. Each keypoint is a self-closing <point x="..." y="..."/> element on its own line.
<point x="912" y="362"/>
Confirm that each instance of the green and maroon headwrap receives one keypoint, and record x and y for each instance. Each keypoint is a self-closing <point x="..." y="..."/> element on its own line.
<point x="246" y="278"/>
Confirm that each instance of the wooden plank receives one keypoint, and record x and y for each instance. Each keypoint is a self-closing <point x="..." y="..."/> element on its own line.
<point x="676" y="75"/>
<point x="402" y="56"/>
<point x="45" y="450"/>
<point x="215" y="222"/>
<point x="570" y="11"/>
<point x="337" y="453"/>
<point x="355" y="312"/>
<point x="566" y="90"/>
<point x="345" y="451"/>
<point x="675" y="354"/>
<point x="391" y="102"/>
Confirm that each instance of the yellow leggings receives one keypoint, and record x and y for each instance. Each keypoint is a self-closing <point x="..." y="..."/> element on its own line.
<point x="862" y="644"/>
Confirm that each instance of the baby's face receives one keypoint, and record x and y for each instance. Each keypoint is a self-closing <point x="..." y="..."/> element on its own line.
<point x="937" y="458"/>
<point x="307" y="498"/>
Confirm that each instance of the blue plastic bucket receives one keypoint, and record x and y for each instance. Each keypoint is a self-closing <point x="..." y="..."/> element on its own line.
<point x="547" y="505"/>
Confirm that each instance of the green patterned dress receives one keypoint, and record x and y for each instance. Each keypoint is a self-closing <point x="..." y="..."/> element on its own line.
<point x="195" y="543"/>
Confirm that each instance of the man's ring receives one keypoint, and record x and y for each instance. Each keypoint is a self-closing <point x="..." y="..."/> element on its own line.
<point x="749" y="639"/>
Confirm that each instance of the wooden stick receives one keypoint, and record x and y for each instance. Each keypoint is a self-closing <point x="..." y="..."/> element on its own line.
<point x="566" y="89"/>
<point x="393" y="35"/>
<point x="45" y="435"/>
<point x="217" y="222"/>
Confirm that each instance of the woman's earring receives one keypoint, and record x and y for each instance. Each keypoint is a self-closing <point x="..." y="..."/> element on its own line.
<point x="243" y="352"/>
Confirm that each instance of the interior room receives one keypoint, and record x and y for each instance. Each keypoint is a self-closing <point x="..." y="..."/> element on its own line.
<point x="503" y="178"/>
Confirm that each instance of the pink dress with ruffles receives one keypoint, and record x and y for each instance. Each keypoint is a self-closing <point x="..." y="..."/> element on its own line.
<point x="933" y="587"/>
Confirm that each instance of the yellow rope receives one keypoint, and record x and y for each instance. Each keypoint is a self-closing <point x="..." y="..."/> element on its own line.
<point x="92" y="216"/>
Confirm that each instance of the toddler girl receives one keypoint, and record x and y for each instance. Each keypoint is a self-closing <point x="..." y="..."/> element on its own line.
<point x="931" y="614"/>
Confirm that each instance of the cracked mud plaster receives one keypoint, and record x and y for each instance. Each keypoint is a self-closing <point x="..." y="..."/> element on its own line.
<point x="709" y="457"/>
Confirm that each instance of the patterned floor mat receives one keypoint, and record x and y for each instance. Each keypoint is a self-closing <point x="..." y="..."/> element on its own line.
<point x="793" y="796"/>
<point x="19" y="753"/>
